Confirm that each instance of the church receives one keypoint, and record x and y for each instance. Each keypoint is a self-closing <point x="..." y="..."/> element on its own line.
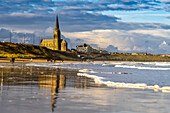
<point x="56" y="43"/>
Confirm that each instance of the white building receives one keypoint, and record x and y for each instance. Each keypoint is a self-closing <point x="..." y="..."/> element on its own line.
<point x="87" y="48"/>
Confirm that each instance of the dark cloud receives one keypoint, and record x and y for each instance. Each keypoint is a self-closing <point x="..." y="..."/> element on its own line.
<point x="81" y="21"/>
<point x="49" y="6"/>
<point x="72" y="21"/>
<point x="74" y="14"/>
<point x="75" y="21"/>
<point x="27" y="21"/>
<point x="127" y="2"/>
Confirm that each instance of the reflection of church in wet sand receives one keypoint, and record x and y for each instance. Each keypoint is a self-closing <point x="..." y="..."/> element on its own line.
<point x="54" y="82"/>
<point x="56" y="43"/>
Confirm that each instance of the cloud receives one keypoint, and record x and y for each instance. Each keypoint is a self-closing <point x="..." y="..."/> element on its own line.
<point x="49" y="6"/>
<point x="71" y="22"/>
<point x="128" y="41"/>
<point x="123" y="5"/>
<point x="75" y="15"/>
<point x="18" y="37"/>
<point x="26" y="21"/>
<point x="68" y="21"/>
<point x="111" y="48"/>
<point x="164" y="47"/>
<point x="166" y="1"/>
<point x="156" y="32"/>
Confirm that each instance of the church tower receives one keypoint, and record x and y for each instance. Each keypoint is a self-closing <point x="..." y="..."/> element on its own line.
<point x="56" y="43"/>
<point x="57" y="36"/>
<point x="63" y="45"/>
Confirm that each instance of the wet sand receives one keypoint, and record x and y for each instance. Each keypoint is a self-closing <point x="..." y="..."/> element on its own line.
<point x="46" y="90"/>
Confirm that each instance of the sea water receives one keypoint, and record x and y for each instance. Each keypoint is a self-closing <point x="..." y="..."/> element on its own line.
<point x="144" y="75"/>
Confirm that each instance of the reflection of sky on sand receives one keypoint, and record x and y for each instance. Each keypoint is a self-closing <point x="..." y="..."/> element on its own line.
<point x="117" y="100"/>
<point x="38" y="88"/>
<point x="45" y="90"/>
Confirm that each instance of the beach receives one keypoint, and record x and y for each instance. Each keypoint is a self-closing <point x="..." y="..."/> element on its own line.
<point x="72" y="88"/>
<point x="23" y="60"/>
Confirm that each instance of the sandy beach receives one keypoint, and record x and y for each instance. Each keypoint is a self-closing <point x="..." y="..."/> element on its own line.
<point x="29" y="89"/>
<point x="21" y="60"/>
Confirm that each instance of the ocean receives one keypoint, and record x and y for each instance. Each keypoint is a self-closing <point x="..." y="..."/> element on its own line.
<point x="115" y="87"/>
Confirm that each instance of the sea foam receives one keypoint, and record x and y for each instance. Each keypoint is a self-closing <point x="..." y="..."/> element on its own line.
<point x="142" y="67"/>
<point x="100" y="80"/>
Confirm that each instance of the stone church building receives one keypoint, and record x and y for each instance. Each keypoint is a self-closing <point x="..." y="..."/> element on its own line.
<point x="56" y="43"/>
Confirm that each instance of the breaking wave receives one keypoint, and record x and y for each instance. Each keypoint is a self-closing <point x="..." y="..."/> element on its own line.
<point x="140" y="67"/>
<point x="99" y="80"/>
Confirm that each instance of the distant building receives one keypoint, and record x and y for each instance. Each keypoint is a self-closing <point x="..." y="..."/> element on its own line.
<point x="168" y="55"/>
<point x="139" y="54"/>
<point x="165" y="55"/>
<point x="134" y="53"/>
<point x="87" y="48"/>
<point x="56" y="43"/>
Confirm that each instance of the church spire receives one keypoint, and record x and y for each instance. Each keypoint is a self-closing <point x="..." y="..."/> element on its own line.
<point x="57" y="23"/>
<point x="57" y="35"/>
<point x="57" y="30"/>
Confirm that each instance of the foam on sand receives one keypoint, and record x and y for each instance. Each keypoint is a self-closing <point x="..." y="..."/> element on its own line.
<point x="87" y="71"/>
<point x="109" y="65"/>
<point x="92" y="71"/>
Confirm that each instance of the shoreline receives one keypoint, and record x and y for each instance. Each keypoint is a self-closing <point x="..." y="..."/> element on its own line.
<point x="97" y="81"/>
<point x="22" y="60"/>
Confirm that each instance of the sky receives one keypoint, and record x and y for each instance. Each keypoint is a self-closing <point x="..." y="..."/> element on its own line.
<point x="117" y="25"/>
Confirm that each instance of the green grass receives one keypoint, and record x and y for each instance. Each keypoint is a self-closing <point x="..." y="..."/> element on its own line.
<point x="16" y="50"/>
<point x="122" y="57"/>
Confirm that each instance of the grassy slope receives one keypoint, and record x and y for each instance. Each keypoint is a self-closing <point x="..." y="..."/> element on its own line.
<point x="9" y="50"/>
<point x="134" y="58"/>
